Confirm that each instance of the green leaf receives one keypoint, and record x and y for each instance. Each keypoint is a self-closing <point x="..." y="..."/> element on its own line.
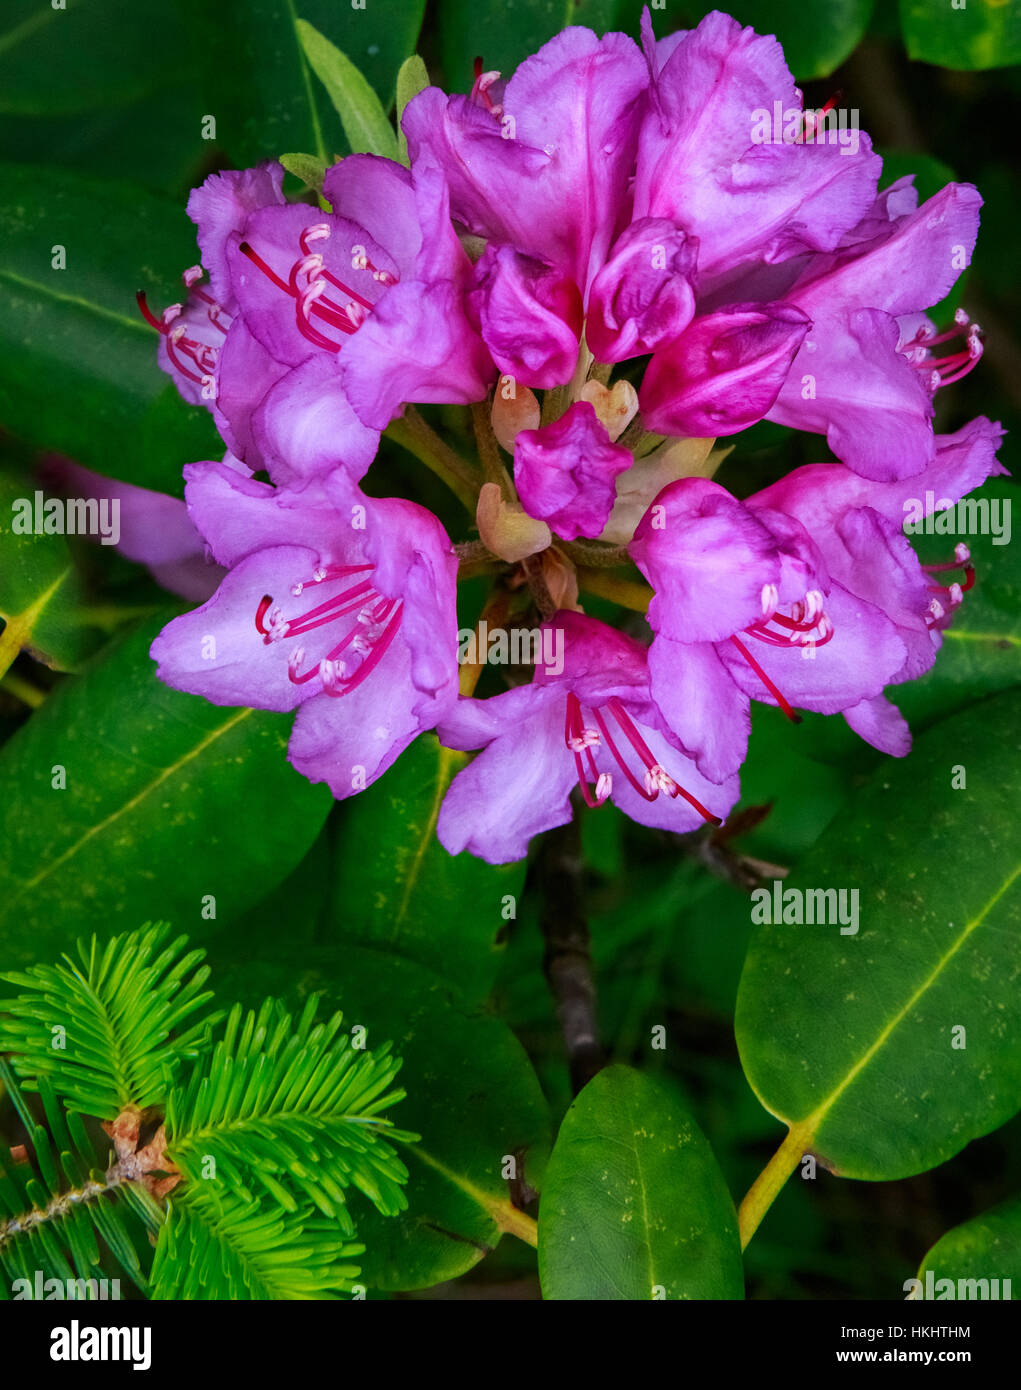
<point x="296" y="1100"/>
<point x="40" y="591"/>
<point x="119" y="1008"/>
<point x="397" y="889"/>
<point x="412" y="79"/>
<point x="258" y="81"/>
<point x="504" y="35"/>
<point x="75" y="1203"/>
<point x="850" y="1039"/>
<point x="307" y="167"/>
<point x="56" y="61"/>
<point x="361" y="113"/>
<point x="981" y="34"/>
<point x="472" y="1095"/>
<point x="987" y="1247"/>
<point x="634" y="1205"/>
<point x="78" y="370"/>
<point x="235" y="1247"/>
<point x="150" y="823"/>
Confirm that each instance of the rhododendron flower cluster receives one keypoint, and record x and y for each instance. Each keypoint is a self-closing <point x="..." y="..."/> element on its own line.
<point x="598" y="258"/>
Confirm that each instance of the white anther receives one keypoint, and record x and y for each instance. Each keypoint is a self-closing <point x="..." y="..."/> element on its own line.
<point x="330" y="673"/>
<point x="936" y="609"/>
<point x="814" y="602"/>
<point x="297" y="590"/>
<point x="276" y="624"/>
<point x="319" y="231"/>
<point x="308" y="296"/>
<point x="359" y="261"/>
<point x="935" y="381"/>
<point x="961" y="317"/>
<point x="657" y="779"/>
<point x="961" y="553"/>
<point x="318" y="575"/>
<point x="604" y="786"/>
<point x="362" y="644"/>
<point x="172" y="312"/>
<point x="191" y="275"/>
<point x="295" y="659"/>
<point x="310" y="263"/>
<point x="588" y="738"/>
<point x="770" y="598"/>
<point x="956" y="594"/>
<point x="355" y="313"/>
<point x="975" y="347"/>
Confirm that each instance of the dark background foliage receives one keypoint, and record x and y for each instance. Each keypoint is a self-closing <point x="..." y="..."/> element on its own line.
<point x="102" y="109"/>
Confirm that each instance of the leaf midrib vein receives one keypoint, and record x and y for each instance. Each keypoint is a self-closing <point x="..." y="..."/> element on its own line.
<point x="129" y="805"/>
<point x="810" y="1125"/>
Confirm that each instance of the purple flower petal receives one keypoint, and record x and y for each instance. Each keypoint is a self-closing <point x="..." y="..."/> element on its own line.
<point x="565" y="472"/>
<point x="724" y="372"/>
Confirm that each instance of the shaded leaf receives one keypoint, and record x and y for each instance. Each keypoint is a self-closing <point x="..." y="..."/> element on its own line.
<point x="634" y="1205"/>
<point x="981" y="34"/>
<point x="850" y="1039"/>
<point x="78" y="370"/>
<point x="397" y="889"/>
<point x="985" y="1248"/>
<point x="472" y="1095"/>
<point x="149" y="823"/>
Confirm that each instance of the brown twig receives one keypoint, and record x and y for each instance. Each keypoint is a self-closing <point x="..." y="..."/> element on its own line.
<point x="567" y="960"/>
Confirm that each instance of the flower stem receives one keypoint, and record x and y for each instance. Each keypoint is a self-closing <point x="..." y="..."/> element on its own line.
<point x="419" y="438"/>
<point x="766" y="1187"/>
<point x="489" y="450"/>
<point x="629" y="593"/>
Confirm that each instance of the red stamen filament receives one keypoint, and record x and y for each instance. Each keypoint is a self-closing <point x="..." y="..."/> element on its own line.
<point x="784" y="704"/>
<point x="574" y="734"/>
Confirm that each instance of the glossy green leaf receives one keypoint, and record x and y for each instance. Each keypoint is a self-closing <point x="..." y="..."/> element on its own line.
<point x="854" y="1039"/>
<point x="78" y="371"/>
<point x="979" y="34"/>
<point x="634" y="1205"/>
<point x="361" y="113"/>
<point x="412" y="79"/>
<point x="79" y="56"/>
<point x="307" y="167"/>
<point x="503" y="34"/>
<point x="39" y="586"/>
<point x="986" y="1248"/>
<point x="259" y="82"/>
<point x="168" y="802"/>
<point x="397" y="889"/>
<point x="471" y="1094"/>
